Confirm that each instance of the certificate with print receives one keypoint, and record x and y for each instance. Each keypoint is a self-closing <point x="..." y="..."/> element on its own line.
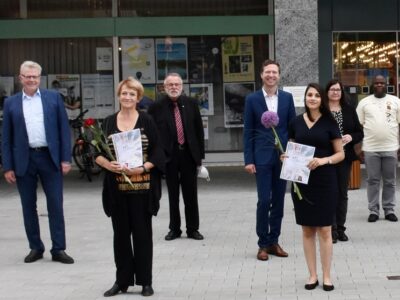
<point x="128" y="148"/>
<point x="294" y="166"/>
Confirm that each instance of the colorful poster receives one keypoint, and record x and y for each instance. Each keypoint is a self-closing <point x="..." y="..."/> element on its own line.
<point x="234" y="96"/>
<point x="238" y="58"/>
<point x="69" y="86"/>
<point x="204" y="59"/>
<point x="138" y="59"/>
<point x="171" y="57"/>
<point x="149" y="97"/>
<point x="203" y="92"/>
<point x="98" y="95"/>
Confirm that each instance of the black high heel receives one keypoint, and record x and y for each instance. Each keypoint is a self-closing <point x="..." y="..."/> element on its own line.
<point x="328" y="287"/>
<point x="115" y="289"/>
<point x="311" y="286"/>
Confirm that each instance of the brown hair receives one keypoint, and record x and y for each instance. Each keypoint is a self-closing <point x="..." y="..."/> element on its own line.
<point x="270" y="62"/>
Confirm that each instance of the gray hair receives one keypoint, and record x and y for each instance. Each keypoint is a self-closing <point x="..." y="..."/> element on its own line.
<point x="172" y="75"/>
<point x="28" y="64"/>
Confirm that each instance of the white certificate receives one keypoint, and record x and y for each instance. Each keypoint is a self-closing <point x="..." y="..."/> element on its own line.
<point x="294" y="166"/>
<point x="128" y="148"/>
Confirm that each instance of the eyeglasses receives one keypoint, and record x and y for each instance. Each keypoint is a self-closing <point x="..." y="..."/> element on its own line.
<point x="335" y="90"/>
<point x="173" y="84"/>
<point x="32" y="77"/>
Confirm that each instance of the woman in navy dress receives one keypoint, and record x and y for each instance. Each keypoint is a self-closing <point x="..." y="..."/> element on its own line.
<point x="317" y="128"/>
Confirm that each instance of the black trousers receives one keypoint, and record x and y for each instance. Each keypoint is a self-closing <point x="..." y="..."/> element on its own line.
<point x="343" y="172"/>
<point x="133" y="240"/>
<point x="182" y="171"/>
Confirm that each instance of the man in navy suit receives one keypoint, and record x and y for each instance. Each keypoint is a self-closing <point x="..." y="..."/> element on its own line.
<point x="261" y="156"/>
<point x="37" y="145"/>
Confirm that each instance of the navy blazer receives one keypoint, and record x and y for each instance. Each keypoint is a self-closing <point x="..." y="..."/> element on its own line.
<point x="15" y="144"/>
<point x="259" y="142"/>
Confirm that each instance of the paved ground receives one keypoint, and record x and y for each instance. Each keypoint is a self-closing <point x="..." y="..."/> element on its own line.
<point x="223" y="266"/>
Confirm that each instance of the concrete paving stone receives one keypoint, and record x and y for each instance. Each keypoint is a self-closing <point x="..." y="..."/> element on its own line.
<point x="223" y="266"/>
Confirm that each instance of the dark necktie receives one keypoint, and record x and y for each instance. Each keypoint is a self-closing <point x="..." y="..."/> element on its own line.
<point x="179" y="126"/>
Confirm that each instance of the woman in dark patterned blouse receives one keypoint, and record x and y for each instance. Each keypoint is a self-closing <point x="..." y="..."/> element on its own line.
<point x="132" y="204"/>
<point x="352" y="133"/>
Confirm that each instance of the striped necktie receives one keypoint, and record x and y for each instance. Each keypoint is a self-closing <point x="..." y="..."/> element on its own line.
<point x="179" y="126"/>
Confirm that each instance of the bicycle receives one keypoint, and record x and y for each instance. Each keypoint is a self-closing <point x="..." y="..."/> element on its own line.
<point x="83" y="151"/>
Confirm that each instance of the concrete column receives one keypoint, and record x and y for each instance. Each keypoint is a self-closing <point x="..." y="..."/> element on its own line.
<point x="296" y="41"/>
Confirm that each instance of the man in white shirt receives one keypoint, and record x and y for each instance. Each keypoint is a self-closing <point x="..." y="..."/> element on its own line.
<point x="379" y="114"/>
<point x="36" y="144"/>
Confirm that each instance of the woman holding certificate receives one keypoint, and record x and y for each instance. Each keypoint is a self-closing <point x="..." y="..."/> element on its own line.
<point x="317" y="128"/>
<point x="352" y="133"/>
<point x="131" y="194"/>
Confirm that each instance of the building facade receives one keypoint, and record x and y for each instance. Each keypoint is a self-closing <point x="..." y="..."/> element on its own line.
<point x="87" y="47"/>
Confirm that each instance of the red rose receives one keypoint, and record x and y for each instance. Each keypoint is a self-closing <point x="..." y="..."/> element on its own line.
<point x="89" y="122"/>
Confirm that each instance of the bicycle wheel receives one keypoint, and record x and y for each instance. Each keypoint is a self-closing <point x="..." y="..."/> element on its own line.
<point x="83" y="155"/>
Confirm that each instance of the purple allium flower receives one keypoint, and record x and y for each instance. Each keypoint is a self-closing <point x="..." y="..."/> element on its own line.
<point x="269" y="119"/>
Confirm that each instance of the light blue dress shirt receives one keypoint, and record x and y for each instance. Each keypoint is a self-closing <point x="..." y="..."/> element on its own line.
<point x="34" y="119"/>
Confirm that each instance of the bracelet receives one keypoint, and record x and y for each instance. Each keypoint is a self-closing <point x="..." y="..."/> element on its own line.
<point x="144" y="169"/>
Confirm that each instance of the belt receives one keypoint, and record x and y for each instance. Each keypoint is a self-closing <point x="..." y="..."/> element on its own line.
<point x="39" y="149"/>
<point x="181" y="146"/>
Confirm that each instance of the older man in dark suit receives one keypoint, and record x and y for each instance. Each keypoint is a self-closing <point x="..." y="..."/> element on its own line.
<point x="37" y="144"/>
<point x="181" y="130"/>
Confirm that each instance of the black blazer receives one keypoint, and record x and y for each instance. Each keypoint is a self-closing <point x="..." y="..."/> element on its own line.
<point x="352" y="126"/>
<point x="162" y="113"/>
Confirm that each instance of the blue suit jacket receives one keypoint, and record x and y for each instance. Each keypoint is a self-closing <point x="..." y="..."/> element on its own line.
<point x="259" y="142"/>
<point x="15" y="144"/>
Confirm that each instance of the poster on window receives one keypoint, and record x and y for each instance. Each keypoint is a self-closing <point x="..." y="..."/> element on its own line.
<point x="204" y="59"/>
<point x="205" y="127"/>
<point x="203" y="93"/>
<point x="69" y="86"/>
<point x="237" y="58"/>
<point x="104" y="58"/>
<point x="171" y="54"/>
<point x="98" y="95"/>
<point x="138" y="59"/>
<point x="234" y="98"/>
<point x="148" y="98"/>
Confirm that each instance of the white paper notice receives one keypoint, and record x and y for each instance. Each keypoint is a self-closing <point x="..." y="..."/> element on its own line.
<point x="294" y="166"/>
<point x="128" y="148"/>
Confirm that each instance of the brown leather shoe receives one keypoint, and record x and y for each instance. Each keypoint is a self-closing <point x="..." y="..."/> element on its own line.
<point x="276" y="250"/>
<point x="262" y="254"/>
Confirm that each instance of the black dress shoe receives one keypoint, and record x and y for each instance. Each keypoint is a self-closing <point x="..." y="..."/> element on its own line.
<point x="62" y="257"/>
<point x="311" y="286"/>
<point x="334" y="237"/>
<point x="147" y="290"/>
<point x="195" y="235"/>
<point x="373" y="218"/>
<point x="391" y="217"/>
<point x="172" y="235"/>
<point x="342" y="236"/>
<point x="328" y="287"/>
<point x="33" y="256"/>
<point x="115" y="289"/>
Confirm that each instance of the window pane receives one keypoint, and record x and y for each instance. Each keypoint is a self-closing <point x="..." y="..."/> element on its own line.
<point x="9" y="9"/>
<point x="156" y="8"/>
<point x="359" y="57"/>
<point x="68" y="8"/>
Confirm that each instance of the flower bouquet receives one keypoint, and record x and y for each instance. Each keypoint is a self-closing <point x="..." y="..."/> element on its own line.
<point x="99" y="140"/>
<point x="270" y="120"/>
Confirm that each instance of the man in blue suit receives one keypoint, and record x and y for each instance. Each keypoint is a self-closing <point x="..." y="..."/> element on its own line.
<point x="37" y="144"/>
<point x="261" y="156"/>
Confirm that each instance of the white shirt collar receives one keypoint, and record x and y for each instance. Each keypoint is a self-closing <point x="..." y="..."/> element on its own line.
<point x="25" y="96"/>
<point x="266" y="95"/>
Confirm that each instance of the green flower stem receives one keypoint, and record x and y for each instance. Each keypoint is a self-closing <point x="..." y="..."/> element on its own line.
<point x="295" y="187"/>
